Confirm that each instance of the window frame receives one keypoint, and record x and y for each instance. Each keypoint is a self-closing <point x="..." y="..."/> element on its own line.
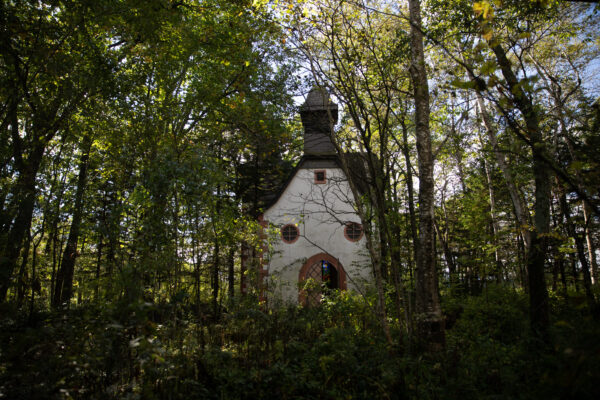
<point x="324" y="180"/>
<point x="296" y="230"/>
<point x="348" y="225"/>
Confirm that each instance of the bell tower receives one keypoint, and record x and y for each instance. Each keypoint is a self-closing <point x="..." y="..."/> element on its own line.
<point x="319" y="114"/>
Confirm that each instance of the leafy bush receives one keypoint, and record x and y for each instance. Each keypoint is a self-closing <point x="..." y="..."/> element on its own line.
<point x="140" y="350"/>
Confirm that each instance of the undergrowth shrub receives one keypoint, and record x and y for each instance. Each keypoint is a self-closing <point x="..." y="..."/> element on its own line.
<point x="170" y="350"/>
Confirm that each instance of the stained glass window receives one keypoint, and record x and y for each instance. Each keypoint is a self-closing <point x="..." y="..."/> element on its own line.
<point x="329" y="275"/>
<point x="326" y="271"/>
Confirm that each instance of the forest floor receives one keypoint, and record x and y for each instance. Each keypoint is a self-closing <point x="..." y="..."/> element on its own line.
<point x="137" y="350"/>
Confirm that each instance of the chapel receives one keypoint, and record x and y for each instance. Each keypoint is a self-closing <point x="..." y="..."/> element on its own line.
<point x="313" y="240"/>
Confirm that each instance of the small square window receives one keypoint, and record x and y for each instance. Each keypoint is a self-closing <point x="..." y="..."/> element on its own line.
<point x="320" y="176"/>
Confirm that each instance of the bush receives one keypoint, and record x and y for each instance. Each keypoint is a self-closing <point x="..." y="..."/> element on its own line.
<point x="140" y="350"/>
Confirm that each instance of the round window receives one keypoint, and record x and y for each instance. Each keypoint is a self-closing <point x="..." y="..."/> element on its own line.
<point x="353" y="231"/>
<point x="290" y="233"/>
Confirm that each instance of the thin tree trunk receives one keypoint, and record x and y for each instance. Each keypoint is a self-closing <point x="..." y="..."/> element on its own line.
<point x="98" y="267"/>
<point x="385" y="243"/>
<point x="410" y="189"/>
<point x="214" y="280"/>
<point x="196" y="258"/>
<point x="428" y="310"/>
<point x="25" y="192"/>
<point x="35" y="282"/>
<point x="457" y="150"/>
<point x="579" y="246"/>
<point x="591" y="248"/>
<point x="555" y="91"/>
<point x="521" y="211"/>
<point x="54" y="233"/>
<point x="178" y="246"/>
<point x="558" y="266"/>
<point x="53" y="238"/>
<point x="447" y="255"/>
<point x="443" y="235"/>
<point x="64" y="278"/>
<point x="574" y="272"/>
<point x="538" y="293"/>
<point x="403" y="297"/>
<point x="21" y="286"/>
<point x="521" y="257"/>
<point x="231" y="273"/>
<point x="494" y="221"/>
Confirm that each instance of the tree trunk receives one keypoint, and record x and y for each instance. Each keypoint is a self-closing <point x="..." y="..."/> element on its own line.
<point x="21" y="286"/>
<point x="558" y="267"/>
<point x="495" y="227"/>
<point x="447" y="256"/>
<point x="35" y="282"/>
<point x="428" y="310"/>
<point x="178" y="246"/>
<point x="214" y="278"/>
<point x="555" y="91"/>
<point x="538" y="293"/>
<point x="112" y="229"/>
<point x="25" y="192"/>
<point x="231" y="273"/>
<point x="443" y="235"/>
<point x="64" y="278"/>
<point x="521" y="211"/>
<point x="521" y="257"/>
<point x="100" y="246"/>
<point x="591" y="248"/>
<point x="402" y="297"/>
<point x="579" y="246"/>
<point x="410" y="190"/>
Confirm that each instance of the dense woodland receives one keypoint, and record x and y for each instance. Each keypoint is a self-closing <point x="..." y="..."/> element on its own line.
<point x="134" y="136"/>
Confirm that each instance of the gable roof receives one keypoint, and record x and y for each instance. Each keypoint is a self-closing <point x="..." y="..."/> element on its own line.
<point x="355" y="161"/>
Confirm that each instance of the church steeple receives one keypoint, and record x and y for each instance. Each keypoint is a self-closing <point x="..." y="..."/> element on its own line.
<point x="318" y="127"/>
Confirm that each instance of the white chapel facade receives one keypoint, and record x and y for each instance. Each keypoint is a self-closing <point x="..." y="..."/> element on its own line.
<point x="313" y="237"/>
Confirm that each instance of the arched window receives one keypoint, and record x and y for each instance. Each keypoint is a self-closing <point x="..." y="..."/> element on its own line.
<point x="353" y="231"/>
<point x="320" y="271"/>
<point x="290" y="233"/>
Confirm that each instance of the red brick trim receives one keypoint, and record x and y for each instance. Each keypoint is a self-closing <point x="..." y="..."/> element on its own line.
<point x="262" y="221"/>
<point x="324" y="180"/>
<point x="318" y="257"/>
<point x="262" y="273"/>
<point x="297" y="234"/>
<point x="362" y="231"/>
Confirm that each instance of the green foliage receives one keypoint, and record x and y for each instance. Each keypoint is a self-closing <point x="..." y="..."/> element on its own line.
<point x="187" y="102"/>
<point x="136" y="349"/>
<point x="176" y="96"/>
<point x="488" y="344"/>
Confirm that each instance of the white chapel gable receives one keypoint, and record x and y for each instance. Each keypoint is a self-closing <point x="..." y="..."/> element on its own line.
<point x="315" y="231"/>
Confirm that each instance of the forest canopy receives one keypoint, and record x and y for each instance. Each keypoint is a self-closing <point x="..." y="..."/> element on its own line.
<point x="137" y="139"/>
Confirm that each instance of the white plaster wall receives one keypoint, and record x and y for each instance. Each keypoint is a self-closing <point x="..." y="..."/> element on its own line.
<point x="320" y="212"/>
